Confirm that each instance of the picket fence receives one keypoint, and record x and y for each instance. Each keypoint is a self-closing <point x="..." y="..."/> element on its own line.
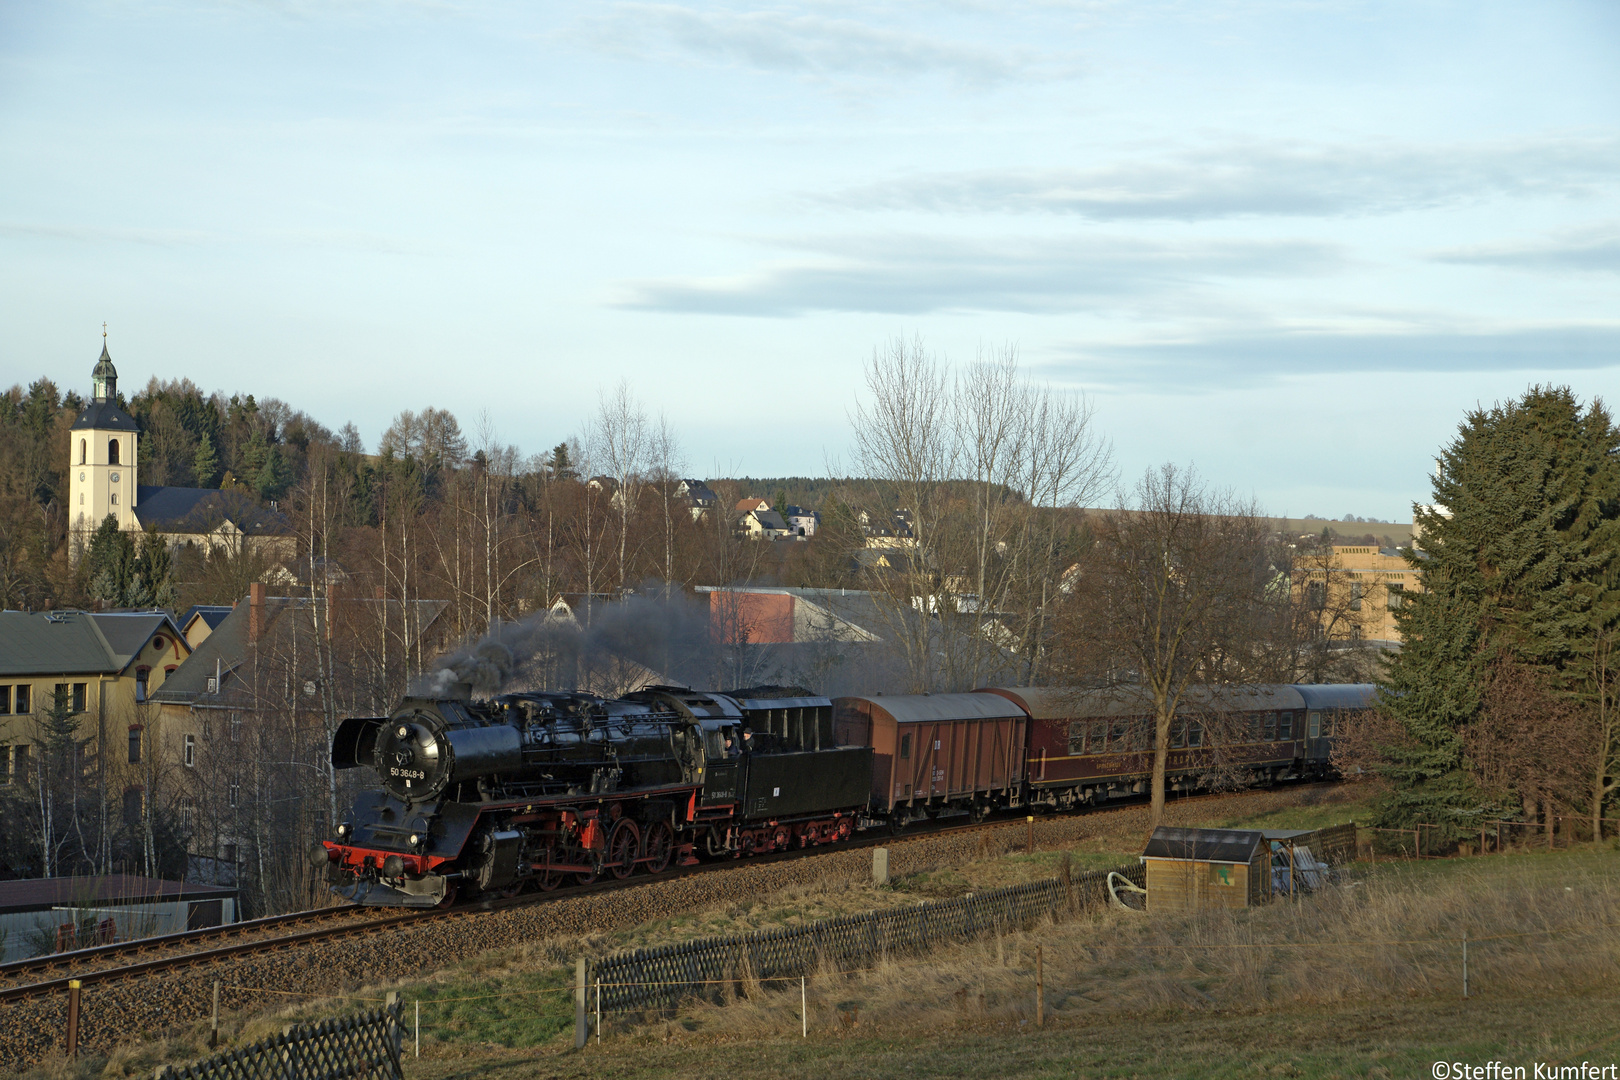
<point x="364" y="1047"/>
<point x="660" y="978"/>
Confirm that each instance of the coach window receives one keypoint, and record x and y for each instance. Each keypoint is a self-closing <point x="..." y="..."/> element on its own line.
<point x="905" y="746"/>
<point x="1285" y="726"/>
<point x="1195" y="734"/>
<point x="1118" y="733"/>
<point x="1316" y="725"/>
<point x="1271" y="727"/>
<point x="1077" y="737"/>
<point x="1178" y="735"/>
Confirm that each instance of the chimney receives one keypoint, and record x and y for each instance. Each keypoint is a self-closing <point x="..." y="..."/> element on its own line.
<point x="255" y="610"/>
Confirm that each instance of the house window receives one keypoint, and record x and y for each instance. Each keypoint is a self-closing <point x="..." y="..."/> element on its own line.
<point x="235" y="792"/>
<point x="19" y="762"/>
<point x="236" y="728"/>
<point x="1355" y="596"/>
<point x="112" y="453"/>
<point x="190" y="751"/>
<point x="229" y="853"/>
<point x="82" y="449"/>
<point x="160" y="643"/>
<point x="135" y="744"/>
<point x="132" y="807"/>
<point x="24" y="693"/>
<point x="142" y="674"/>
<point x="79" y="689"/>
<point x="5" y="701"/>
<point x="168" y="669"/>
<point x="114" y="498"/>
<point x="1395" y="597"/>
<point x="185" y="819"/>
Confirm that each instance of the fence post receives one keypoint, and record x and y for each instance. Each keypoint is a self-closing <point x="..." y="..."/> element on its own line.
<point x="213" y="1028"/>
<point x="804" y="1012"/>
<point x="580" y="1023"/>
<point x="1465" y="966"/>
<point x="1031" y="822"/>
<point x="880" y="866"/>
<point x="396" y="1030"/>
<point x="73" y="1018"/>
<point x="1040" y="990"/>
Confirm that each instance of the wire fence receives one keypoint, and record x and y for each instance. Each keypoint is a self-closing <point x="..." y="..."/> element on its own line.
<point x="660" y="978"/>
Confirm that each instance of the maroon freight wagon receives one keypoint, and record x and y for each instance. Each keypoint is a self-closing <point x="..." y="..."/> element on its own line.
<point x="937" y="751"/>
<point x="1087" y="746"/>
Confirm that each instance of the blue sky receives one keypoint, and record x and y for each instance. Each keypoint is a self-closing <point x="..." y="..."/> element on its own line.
<point x="1289" y="242"/>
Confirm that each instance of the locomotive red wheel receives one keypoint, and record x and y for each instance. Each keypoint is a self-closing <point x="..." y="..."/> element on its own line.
<point x="658" y="845"/>
<point x="623" y="847"/>
<point x="548" y="880"/>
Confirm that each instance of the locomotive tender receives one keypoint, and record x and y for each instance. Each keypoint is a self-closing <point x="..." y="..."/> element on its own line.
<point x="538" y="789"/>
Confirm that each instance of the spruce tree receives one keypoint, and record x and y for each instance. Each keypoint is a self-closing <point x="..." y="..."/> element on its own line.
<point x="1518" y="560"/>
<point x="109" y="563"/>
<point x="205" y="463"/>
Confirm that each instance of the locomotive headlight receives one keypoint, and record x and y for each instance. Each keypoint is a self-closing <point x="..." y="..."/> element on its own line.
<point x="416" y="838"/>
<point x="402" y="731"/>
<point x="343" y="829"/>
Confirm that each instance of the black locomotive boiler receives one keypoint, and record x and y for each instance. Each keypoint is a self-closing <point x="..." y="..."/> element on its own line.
<point x="537" y="789"/>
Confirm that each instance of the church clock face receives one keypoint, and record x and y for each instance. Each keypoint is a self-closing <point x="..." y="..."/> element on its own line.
<point x="113" y="477"/>
<point x="81" y="477"/>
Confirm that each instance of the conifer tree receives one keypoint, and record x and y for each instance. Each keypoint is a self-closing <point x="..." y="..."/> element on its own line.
<point x="109" y="563"/>
<point x="205" y="464"/>
<point x="1518" y="561"/>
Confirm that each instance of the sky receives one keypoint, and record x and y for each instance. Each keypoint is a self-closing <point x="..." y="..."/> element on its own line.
<point x="1287" y="243"/>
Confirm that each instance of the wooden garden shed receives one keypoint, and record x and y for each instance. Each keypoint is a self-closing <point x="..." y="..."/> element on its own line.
<point x="1194" y="869"/>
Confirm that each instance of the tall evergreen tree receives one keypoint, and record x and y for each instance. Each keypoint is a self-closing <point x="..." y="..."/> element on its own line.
<point x="1518" y="560"/>
<point x="109" y="563"/>
<point x="205" y="464"/>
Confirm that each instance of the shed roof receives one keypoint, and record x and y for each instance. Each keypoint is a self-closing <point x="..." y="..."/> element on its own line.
<point x="1204" y="845"/>
<point x="42" y="894"/>
<point x="1337" y="695"/>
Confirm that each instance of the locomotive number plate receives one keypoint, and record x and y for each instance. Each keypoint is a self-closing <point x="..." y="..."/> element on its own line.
<point x="408" y="774"/>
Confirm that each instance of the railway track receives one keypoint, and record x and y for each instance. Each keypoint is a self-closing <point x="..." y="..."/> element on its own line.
<point x="21" y="980"/>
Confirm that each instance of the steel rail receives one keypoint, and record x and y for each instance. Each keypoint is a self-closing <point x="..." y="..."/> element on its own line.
<point x="16" y="968"/>
<point x="224" y="952"/>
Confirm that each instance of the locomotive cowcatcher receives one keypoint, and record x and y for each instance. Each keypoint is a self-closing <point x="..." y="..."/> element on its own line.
<point x="535" y="789"/>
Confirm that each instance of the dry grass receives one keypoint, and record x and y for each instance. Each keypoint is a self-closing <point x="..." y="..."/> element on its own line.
<point x="1538" y="926"/>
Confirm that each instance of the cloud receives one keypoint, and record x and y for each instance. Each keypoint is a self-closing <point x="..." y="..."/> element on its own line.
<point x="347" y="239"/>
<point x="810" y="45"/>
<point x="1237" y="361"/>
<point x="1246" y="180"/>
<point x="914" y="275"/>
<point x="1594" y="250"/>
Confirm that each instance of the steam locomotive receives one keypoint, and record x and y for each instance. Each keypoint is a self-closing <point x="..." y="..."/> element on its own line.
<point x="535" y="790"/>
<point x="546" y="788"/>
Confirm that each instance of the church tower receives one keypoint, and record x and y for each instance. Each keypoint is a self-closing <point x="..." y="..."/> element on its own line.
<point x="102" y="480"/>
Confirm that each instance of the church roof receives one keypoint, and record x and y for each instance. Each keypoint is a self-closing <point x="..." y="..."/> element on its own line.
<point x="104" y="416"/>
<point x="202" y="510"/>
<point x="104" y="366"/>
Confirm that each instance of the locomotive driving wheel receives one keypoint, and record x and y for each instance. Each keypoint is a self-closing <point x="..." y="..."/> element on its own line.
<point x="623" y="847"/>
<point x="658" y="845"/>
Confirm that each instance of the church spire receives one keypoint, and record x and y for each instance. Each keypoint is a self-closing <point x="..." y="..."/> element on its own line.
<point x="104" y="379"/>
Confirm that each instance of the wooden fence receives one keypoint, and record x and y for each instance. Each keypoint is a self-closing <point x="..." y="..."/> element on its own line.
<point x="660" y="978"/>
<point x="366" y="1047"/>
